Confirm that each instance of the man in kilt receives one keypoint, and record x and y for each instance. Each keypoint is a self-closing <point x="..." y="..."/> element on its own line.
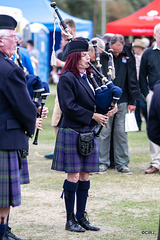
<point x="77" y="102"/>
<point x="17" y="123"/>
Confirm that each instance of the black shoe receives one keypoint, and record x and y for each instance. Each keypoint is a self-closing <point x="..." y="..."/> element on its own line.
<point x="10" y="236"/>
<point x="73" y="225"/>
<point x="86" y="224"/>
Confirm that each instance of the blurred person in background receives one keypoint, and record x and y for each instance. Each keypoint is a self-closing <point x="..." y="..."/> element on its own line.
<point x="146" y="42"/>
<point x="153" y="125"/>
<point x="148" y="77"/>
<point x="107" y="37"/>
<point x="100" y="44"/>
<point x="25" y="56"/>
<point x="60" y="62"/>
<point x="141" y="106"/>
<point x="34" y="54"/>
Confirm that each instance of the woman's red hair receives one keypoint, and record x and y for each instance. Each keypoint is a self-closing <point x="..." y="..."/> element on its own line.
<point x="71" y="64"/>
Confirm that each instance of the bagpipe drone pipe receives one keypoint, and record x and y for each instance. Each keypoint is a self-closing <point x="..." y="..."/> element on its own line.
<point x="106" y="95"/>
<point x="62" y="22"/>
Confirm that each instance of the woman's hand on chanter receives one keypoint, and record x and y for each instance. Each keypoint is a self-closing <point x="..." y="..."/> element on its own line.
<point x="100" y="118"/>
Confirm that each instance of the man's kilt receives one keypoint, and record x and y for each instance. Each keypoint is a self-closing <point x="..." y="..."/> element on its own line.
<point x="11" y="177"/>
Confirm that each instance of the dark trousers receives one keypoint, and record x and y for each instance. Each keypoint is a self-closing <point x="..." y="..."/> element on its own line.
<point x="141" y="108"/>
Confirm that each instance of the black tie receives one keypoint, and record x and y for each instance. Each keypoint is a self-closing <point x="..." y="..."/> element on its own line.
<point x="84" y="77"/>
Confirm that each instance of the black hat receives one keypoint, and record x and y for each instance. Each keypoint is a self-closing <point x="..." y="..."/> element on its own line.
<point x="78" y="45"/>
<point x="7" y="22"/>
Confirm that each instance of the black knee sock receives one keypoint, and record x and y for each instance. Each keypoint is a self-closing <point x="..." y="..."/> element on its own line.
<point x="2" y="230"/>
<point x="159" y="231"/>
<point x="82" y="194"/>
<point x="70" y="189"/>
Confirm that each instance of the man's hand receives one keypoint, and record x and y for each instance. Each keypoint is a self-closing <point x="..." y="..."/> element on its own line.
<point x="131" y="108"/>
<point x="44" y="112"/>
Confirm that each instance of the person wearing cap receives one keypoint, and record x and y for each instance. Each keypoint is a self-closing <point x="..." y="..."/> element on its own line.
<point x="77" y="102"/>
<point x="18" y="119"/>
<point x="148" y="77"/>
<point x="141" y="107"/>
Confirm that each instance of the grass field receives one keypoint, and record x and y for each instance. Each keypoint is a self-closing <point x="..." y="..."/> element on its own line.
<point x="125" y="207"/>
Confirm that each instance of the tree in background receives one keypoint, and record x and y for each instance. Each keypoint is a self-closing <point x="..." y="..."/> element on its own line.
<point x="121" y="8"/>
<point x="91" y="9"/>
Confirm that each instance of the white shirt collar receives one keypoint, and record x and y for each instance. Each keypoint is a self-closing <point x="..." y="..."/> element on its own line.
<point x="155" y="47"/>
<point x="82" y="73"/>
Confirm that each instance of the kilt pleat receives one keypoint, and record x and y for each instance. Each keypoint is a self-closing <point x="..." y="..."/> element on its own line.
<point x="66" y="157"/>
<point x="11" y="178"/>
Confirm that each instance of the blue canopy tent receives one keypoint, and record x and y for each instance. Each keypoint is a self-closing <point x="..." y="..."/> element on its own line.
<point x="40" y="11"/>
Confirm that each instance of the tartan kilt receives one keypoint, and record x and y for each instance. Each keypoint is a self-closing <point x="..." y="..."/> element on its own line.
<point x="66" y="157"/>
<point x="11" y="177"/>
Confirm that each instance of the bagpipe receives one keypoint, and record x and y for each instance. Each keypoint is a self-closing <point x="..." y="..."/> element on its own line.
<point x="38" y="90"/>
<point x="107" y="94"/>
<point x="65" y="30"/>
<point x="62" y="22"/>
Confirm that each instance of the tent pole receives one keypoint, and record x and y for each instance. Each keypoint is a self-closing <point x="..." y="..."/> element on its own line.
<point x="103" y="16"/>
<point x="103" y="5"/>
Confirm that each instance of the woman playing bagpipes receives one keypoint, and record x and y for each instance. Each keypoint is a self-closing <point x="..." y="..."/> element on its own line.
<point x="77" y="158"/>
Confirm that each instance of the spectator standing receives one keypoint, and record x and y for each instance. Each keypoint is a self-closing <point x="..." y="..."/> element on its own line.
<point x="72" y="30"/>
<point x="149" y="75"/>
<point x="146" y="42"/>
<point x="126" y="79"/>
<point x="100" y="44"/>
<point x="56" y="116"/>
<point x="107" y="37"/>
<point x="25" y="57"/>
<point x="153" y="125"/>
<point x="141" y="107"/>
<point x="34" y="55"/>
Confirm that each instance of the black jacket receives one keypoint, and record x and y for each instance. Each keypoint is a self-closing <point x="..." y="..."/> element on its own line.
<point x="149" y="70"/>
<point x="125" y="74"/>
<point x="17" y="111"/>
<point x="153" y="124"/>
<point x="77" y="101"/>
